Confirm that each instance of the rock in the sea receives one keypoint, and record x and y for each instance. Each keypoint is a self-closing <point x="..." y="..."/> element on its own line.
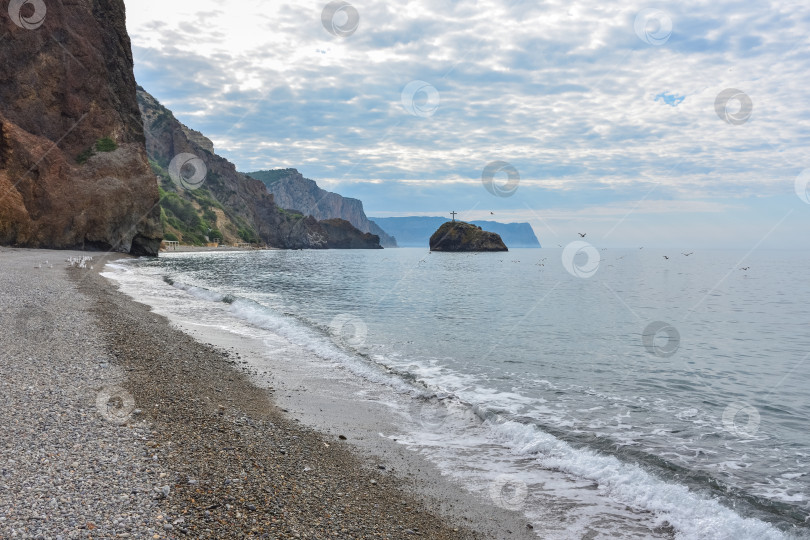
<point x="461" y="236"/>
<point x="73" y="167"/>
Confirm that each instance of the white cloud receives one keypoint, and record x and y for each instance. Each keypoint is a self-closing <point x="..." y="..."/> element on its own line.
<point x="565" y="91"/>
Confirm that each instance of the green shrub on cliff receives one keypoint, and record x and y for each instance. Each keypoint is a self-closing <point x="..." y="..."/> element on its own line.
<point x="291" y="213"/>
<point x="248" y="235"/>
<point x="82" y="158"/>
<point x="204" y="198"/>
<point x="210" y="216"/>
<point x="105" y="144"/>
<point x="165" y="180"/>
<point x="183" y="216"/>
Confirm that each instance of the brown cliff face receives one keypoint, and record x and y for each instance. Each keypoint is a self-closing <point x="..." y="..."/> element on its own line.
<point x="245" y="201"/>
<point x="291" y="190"/>
<point x="67" y="90"/>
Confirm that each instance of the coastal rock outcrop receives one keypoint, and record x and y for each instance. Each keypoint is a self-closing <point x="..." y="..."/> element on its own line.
<point x="73" y="168"/>
<point x="236" y="205"/>
<point x="291" y="190"/>
<point x="461" y="236"/>
<point x="342" y="235"/>
<point x="414" y="231"/>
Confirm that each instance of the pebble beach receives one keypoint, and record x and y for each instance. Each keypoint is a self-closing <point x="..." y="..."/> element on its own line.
<point x="116" y="425"/>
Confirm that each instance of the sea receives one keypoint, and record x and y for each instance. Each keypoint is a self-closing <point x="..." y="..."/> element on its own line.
<point x="626" y="393"/>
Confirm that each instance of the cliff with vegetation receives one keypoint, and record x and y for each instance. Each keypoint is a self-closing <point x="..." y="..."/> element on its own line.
<point x="461" y="236"/>
<point x="291" y="190"/>
<point x="73" y="169"/>
<point x="222" y="203"/>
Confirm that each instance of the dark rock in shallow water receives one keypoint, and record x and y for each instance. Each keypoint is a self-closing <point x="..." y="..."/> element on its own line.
<point x="461" y="236"/>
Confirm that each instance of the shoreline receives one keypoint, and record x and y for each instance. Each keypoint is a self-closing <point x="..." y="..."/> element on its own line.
<point x="205" y="249"/>
<point x="338" y="388"/>
<point x="389" y="424"/>
<point x="209" y="455"/>
<point x="255" y="472"/>
<point x="334" y="403"/>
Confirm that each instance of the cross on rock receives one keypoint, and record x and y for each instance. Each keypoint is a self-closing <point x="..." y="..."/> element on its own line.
<point x="454" y="214"/>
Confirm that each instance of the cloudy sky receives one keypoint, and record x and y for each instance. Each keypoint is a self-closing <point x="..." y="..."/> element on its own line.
<point x="675" y="124"/>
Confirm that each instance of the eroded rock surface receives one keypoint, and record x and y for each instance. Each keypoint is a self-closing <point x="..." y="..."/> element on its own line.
<point x="73" y="167"/>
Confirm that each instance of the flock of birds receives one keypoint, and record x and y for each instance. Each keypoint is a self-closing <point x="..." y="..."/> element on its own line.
<point x="541" y="262"/>
<point x="79" y="262"/>
<point x="72" y="262"/>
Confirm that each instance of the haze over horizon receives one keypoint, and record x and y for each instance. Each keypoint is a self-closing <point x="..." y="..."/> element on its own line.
<point x="609" y="115"/>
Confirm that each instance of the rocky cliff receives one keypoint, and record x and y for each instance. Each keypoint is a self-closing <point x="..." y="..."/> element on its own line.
<point x="291" y="190"/>
<point x="73" y="169"/>
<point x="207" y="197"/>
<point x="342" y="235"/>
<point x="460" y="236"/>
<point x="414" y="231"/>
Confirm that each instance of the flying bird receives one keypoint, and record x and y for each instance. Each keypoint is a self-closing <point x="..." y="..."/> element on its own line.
<point x="492" y="213"/>
<point x="582" y="234"/>
<point x="745" y="268"/>
<point x="667" y="258"/>
<point x="687" y="254"/>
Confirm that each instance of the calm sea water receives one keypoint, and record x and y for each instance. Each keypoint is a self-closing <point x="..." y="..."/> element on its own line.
<point x="704" y="423"/>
